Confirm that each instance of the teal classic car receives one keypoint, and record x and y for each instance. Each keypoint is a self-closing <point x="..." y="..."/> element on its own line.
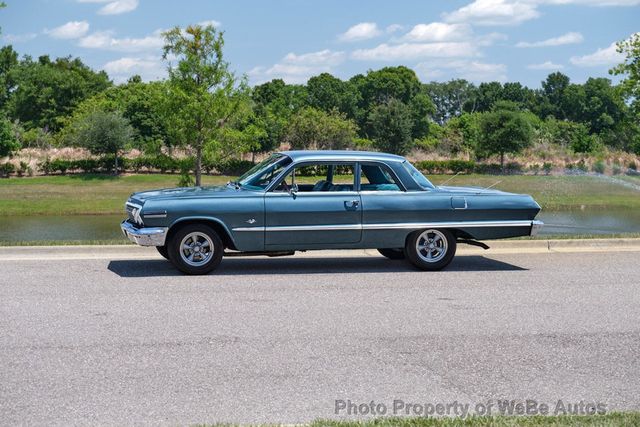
<point x="309" y="200"/>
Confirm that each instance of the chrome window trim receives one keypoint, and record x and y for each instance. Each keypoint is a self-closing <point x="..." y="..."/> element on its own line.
<point x="398" y="226"/>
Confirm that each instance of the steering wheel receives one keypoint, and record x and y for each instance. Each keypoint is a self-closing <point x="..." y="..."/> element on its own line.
<point x="285" y="186"/>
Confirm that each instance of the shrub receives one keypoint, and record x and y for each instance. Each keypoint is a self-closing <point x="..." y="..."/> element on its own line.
<point x="7" y="169"/>
<point x="547" y="167"/>
<point x="617" y="169"/>
<point x="598" y="167"/>
<point x="633" y="166"/>
<point x="22" y="169"/>
<point x="446" y="166"/>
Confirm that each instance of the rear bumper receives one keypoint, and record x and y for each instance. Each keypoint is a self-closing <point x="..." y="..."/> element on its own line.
<point x="536" y="226"/>
<point x="145" y="236"/>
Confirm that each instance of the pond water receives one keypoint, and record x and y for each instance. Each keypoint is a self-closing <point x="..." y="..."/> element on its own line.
<point x="100" y="227"/>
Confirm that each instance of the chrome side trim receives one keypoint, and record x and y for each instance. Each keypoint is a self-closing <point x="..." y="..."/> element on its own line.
<point x="394" y="226"/>
<point x="536" y="226"/>
<point x="146" y="236"/>
<point x="155" y="215"/>
<point x="453" y="224"/>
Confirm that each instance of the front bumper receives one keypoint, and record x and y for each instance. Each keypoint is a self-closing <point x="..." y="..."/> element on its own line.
<point x="536" y="226"/>
<point x="145" y="236"/>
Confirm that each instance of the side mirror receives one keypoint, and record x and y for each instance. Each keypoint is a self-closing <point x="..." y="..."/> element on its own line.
<point x="293" y="190"/>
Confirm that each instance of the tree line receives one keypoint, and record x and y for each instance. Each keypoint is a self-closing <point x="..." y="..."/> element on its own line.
<point x="204" y="107"/>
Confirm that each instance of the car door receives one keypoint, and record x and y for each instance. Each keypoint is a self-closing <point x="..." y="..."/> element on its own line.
<point x="323" y="210"/>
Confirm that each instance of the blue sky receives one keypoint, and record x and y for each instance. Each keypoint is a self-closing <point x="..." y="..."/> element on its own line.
<point x="479" y="40"/>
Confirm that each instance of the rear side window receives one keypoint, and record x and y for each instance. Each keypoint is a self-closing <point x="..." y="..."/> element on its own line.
<point x="377" y="178"/>
<point x="417" y="176"/>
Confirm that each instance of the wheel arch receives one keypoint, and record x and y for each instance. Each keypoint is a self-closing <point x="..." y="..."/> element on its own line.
<point x="217" y="225"/>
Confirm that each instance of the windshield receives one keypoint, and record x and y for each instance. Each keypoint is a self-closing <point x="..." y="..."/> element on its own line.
<point x="262" y="174"/>
<point x="417" y="176"/>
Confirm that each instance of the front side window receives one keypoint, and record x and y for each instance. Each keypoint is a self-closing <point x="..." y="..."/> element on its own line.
<point x="319" y="177"/>
<point x="261" y="175"/>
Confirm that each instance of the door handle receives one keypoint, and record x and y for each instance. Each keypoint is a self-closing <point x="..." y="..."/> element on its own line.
<point x="351" y="204"/>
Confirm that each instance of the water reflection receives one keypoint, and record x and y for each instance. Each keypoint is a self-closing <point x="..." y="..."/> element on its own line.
<point x="102" y="227"/>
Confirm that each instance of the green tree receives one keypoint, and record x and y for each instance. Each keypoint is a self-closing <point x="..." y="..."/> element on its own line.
<point x="140" y="103"/>
<point x="630" y="69"/>
<point x="8" y="141"/>
<point x="8" y="61"/>
<point x="203" y="95"/>
<point x="328" y="93"/>
<point x="390" y="125"/>
<point x="552" y="100"/>
<point x="487" y="95"/>
<point x="504" y="130"/>
<point x="451" y="99"/>
<point x="102" y="132"/>
<point x="274" y="104"/>
<point x="315" y="129"/>
<point x="45" y="91"/>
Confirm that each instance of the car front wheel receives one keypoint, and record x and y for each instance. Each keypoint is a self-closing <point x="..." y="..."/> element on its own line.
<point x="164" y="251"/>
<point x="430" y="249"/>
<point x="196" y="249"/>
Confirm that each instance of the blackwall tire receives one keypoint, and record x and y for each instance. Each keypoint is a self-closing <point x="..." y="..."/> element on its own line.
<point x="430" y="249"/>
<point x="196" y="249"/>
<point x="164" y="251"/>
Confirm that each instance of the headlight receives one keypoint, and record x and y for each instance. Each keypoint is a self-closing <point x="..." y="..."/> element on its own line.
<point x="133" y="211"/>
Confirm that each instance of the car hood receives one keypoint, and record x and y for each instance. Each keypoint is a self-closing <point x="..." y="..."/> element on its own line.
<point x="189" y="192"/>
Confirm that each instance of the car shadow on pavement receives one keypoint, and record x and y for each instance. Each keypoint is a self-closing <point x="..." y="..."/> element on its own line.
<point x="291" y="265"/>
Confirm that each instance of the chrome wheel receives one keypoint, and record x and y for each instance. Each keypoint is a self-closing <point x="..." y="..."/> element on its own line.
<point x="431" y="246"/>
<point x="196" y="249"/>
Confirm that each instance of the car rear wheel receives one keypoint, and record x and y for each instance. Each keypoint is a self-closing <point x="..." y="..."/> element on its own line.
<point x="196" y="249"/>
<point x="430" y="249"/>
<point x="164" y="251"/>
<point x="392" y="253"/>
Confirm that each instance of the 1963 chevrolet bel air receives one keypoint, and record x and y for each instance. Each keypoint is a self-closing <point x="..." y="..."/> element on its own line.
<point x="357" y="200"/>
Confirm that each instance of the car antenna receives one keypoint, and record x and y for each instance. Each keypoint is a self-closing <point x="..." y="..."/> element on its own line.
<point x="450" y="178"/>
<point x="493" y="185"/>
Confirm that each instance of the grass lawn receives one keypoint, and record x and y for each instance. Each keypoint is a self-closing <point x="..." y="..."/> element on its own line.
<point x="102" y="194"/>
<point x="608" y="420"/>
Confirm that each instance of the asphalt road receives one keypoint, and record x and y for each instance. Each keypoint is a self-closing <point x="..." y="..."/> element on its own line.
<point x="113" y="341"/>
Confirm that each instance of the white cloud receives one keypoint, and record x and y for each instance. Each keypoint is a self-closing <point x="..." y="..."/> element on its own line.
<point x="393" y="28"/>
<point x="474" y="71"/>
<point x="323" y="57"/>
<point x="114" y="7"/>
<point x="438" y="32"/>
<point x="568" y="38"/>
<point x="70" y="30"/>
<point x="410" y="51"/>
<point x="514" y="12"/>
<point x="19" y="38"/>
<point x="211" y="22"/>
<point x="599" y="3"/>
<point x="295" y="68"/>
<point x="106" y="41"/>
<point x="547" y="65"/>
<point x="361" y="31"/>
<point x="606" y="56"/>
<point x="494" y="12"/>
<point x="148" y="68"/>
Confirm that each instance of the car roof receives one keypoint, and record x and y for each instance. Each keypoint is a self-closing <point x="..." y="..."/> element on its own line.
<point x="300" y="155"/>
